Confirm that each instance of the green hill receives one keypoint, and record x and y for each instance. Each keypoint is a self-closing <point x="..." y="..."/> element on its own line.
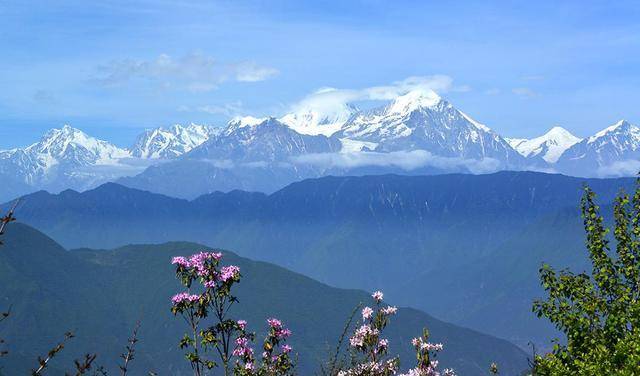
<point x="101" y="294"/>
<point x="476" y="241"/>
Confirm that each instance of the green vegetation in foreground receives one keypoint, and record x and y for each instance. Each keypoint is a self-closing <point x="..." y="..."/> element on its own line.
<point x="599" y="313"/>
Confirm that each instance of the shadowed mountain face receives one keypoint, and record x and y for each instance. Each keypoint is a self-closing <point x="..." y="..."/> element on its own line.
<point x="100" y="295"/>
<point x="465" y="248"/>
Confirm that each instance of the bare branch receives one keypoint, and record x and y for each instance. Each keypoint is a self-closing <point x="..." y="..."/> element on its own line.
<point x="8" y="218"/>
<point x="128" y="356"/>
<point x="42" y="363"/>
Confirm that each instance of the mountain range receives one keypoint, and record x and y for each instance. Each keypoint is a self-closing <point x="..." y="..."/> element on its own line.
<point x="101" y="294"/>
<point x="416" y="133"/>
<point x="466" y="248"/>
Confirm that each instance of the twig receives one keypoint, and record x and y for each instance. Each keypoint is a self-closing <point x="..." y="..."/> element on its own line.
<point x="3" y="317"/>
<point x="334" y="358"/>
<point x="83" y="366"/>
<point x="8" y="218"/>
<point x="128" y="356"/>
<point x="44" y="362"/>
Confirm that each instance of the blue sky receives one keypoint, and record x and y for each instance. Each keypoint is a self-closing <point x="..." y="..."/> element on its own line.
<point x="113" y="68"/>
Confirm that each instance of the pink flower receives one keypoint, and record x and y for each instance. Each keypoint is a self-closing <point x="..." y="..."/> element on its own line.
<point x="286" y="349"/>
<point x="389" y="310"/>
<point x="248" y="366"/>
<point x="229" y="272"/>
<point x="283" y="333"/>
<point x="367" y="312"/>
<point x="210" y="284"/>
<point x="361" y="334"/>
<point x="184" y="297"/>
<point x="383" y="344"/>
<point x="198" y="261"/>
<point x="377" y="296"/>
<point x="416" y="342"/>
<point x="180" y="261"/>
<point x="274" y="323"/>
<point x="242" y="324"/>
<point x="431" y="346"/>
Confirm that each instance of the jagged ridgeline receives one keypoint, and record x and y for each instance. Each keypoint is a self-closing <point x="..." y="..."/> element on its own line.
<point x="100" y="295"/>
<point x="416" y="133"/>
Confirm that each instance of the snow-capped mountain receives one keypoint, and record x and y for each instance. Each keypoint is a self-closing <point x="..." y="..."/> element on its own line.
<point x="423" y="120"/>
<point x="613" y="151"/>
<point x="314" y="122"/>
<point x="549" y="146"/>
<point x="416" y="133"/>
<point x="66" y="147"/>
<point x="249" y="154"/>
<point x="65" y="158"/>
<point x="171" y="142"/>
<point x="72" y="146"/>
<point x="251" y="140"/>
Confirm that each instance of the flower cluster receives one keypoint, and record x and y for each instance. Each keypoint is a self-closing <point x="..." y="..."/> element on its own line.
<point x="275" y="357"/>
<point x="214" y="300"/>
<point x="426" y="353"/>
<point x="229" y="338"/>
<point x="366" y="341"/>
<point x="387" y="367"/>
<point x="184" y="298"/>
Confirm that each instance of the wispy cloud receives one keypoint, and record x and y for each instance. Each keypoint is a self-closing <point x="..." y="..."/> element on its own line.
<point x="227" y="109"/>
<point x="524" y="92"/>
<point x="195" y="72"/>
<point x="628" y="167"/>
<point x="230" y="109"/>
<point x="331" y="101"/>
<point x="252" y="72"/>
<point x="44" y="97"/>
<point x="406" y="160"/>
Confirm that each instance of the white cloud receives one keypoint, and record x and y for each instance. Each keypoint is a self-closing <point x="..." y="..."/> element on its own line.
<point x="195" y="72"/>
<point x="252" y="72"/>
<point x="406" y="160"/>
<point x="333" y="102"/>
<point x="492" y="91"/>
<point x="228" y="109"/>
<point x="628" y="167"/>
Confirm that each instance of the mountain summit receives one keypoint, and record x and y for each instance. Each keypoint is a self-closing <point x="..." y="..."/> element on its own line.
<point x="613" y="151"/>
<point x="423" y="120"/>
<point x="171" y="142"/>
<point x="72" y="146"/>
<point x="549" y="146"/>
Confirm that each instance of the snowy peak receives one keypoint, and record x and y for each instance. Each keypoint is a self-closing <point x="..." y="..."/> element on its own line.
<point x="549" y="146"/>
<point x="614" y="151"/>
<point x="622" y="127"/>
<point x="244" y="121"/>
<point x="313" y="121"/>
<point x="412" y="101"/>
<point x="71" y="145"/>
<point x="260" y="144"/>
<point x="171" y="142"/>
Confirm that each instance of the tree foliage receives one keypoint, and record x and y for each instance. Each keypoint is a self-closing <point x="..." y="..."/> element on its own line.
<point x="599" y="313"/>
